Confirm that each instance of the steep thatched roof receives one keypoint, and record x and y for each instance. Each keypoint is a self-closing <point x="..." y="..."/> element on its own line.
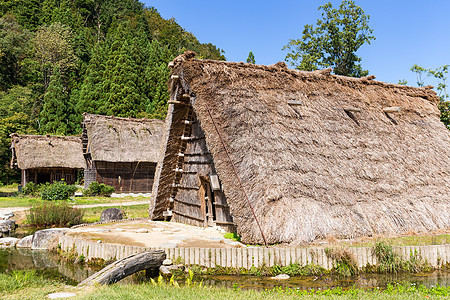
<point x="122" y="139"/>
<point x="321" y="155"/>
<point x="39" y="151"/>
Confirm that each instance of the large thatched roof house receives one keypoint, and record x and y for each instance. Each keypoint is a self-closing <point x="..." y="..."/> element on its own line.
<point x="47" y="158"/>
<point x="121" y="152"/>
<point x="295" y="156"/>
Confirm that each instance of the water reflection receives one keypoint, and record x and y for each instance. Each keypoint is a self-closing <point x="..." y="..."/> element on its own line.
<point x="48" y="264"/>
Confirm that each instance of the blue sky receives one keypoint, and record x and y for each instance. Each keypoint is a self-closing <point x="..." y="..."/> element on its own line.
<point x="407" y="32"/>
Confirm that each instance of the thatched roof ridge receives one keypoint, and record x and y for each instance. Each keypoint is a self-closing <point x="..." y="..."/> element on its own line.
<point x="46" y="151"/>
<point x="339" y="164"/>
<point x="117" y="139"/>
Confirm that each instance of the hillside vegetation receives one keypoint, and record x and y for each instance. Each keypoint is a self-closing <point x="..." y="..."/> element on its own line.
<point x="60" y="58"/>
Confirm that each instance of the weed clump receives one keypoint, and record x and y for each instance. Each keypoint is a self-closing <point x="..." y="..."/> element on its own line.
<point x="345" y="261"/>
<point x="391" y="262"/>
<point x="53" y="213"/>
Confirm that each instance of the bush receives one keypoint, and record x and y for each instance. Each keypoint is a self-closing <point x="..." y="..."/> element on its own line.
<point x="48" y="214"/>
<point x="98" y="189"/>
<point x="30" y="189"/>
<point x="58" y="190"/>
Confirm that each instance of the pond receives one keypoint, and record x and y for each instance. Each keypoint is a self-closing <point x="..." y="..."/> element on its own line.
<point x="48" y="264"/>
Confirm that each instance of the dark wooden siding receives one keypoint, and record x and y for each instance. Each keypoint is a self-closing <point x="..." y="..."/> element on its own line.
<point x="43" y="175"/>
<point x="197" y="164"/>
<point x="136" y="177"/>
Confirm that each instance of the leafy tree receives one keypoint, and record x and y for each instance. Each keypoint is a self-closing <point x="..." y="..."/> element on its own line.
<point x="333" y="42"/>
<point x="440" y="74"/>
<point x="251" y="58"/>
<point x="58" y="113"/>
<point x="53" y="49"/>
<point x="13" y="48"/>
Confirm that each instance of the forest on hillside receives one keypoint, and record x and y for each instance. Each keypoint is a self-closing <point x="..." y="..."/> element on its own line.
<point x="60" y="58"/>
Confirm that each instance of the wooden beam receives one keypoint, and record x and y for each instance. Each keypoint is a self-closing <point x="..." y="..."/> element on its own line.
<point x="175" y="77"/>
<point x="295" y="102"/>
<point x="352" y="109"/>
<point x="178" y="186"/>
<point x="392" y="109"/>
<point x="176" y="102"/>
<point x="187" y="216"/>
<point x="187" y="203"/>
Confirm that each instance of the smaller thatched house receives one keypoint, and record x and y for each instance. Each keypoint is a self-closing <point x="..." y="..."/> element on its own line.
<point x="290" y="156"/>
<point x="47" y="158"/>
<point x="121" y="152"/>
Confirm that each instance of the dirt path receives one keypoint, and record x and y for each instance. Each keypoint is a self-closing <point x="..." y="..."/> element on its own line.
<point x="17" y="209"/>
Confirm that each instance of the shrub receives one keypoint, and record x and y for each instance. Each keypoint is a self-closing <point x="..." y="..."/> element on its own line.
<point x="30" y="189"/>
<point x="98" y="189"/>
<point x="58" y="190"/>
<point x="51" y="213"/>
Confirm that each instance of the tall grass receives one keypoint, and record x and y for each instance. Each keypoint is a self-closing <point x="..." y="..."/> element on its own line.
<point x="391" y="262"/>
<point x="54" y="213"/>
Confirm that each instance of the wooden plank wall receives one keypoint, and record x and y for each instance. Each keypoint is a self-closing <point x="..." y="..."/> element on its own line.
<point x="126" y="177"/>
<point x="436" y="255"/>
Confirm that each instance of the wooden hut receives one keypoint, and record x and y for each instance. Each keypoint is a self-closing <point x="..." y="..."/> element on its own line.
<point x="47" y="158"/>
<point x="121" y="152"/>
<point x="291" y="156"/>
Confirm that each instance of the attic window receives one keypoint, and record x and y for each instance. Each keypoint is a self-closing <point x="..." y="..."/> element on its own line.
<point x="215" y="184"/>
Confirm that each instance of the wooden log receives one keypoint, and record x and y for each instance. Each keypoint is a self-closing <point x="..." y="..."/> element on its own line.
<point x="295" y="102"/>
<point x="352" y="109"/>
<point x="125" y="267"/>
<point x="392" y="109"/>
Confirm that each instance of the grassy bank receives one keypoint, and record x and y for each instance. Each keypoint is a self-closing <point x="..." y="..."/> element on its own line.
<point x="92" y="214"/>
<point x="30" y="285"/>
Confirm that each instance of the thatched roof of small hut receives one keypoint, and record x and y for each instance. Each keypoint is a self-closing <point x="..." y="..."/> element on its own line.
<point x="318" y="154"/>
<point x="116" y="139"/>
<point x="45" y="151"/>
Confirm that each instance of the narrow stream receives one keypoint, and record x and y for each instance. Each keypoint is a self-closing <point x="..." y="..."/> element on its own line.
<point x="48" y="265"/>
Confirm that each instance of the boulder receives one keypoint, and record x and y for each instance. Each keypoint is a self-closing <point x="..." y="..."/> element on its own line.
<point x="112" y="214"/>
<point x="43" y="239"/>
<point x="281" y="277"/>
<point x="25" y="242"/>
<point x="8" y="242"/>
<point x="6" y="215"/>
<point x="7" y="225"/>
<point x="167" y="262"/>
<point x="164" y="270"/>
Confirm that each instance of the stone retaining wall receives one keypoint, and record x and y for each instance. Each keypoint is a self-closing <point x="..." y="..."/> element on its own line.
<point x="436" y="255"/>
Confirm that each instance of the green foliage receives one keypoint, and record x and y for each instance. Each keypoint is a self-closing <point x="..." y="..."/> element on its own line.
<point x="333" y="42"/>
<point x="440" y="74"/>
<point x="345" y="261"/>
<point x="59" y="59"/>
<point x="53" y="213"/>
<point x="30" y="189"/>
<point x="402" y="82"/>
<point x="58" y="190"/>
<point x="232" y="236"/>
<point x="96" y="189"/>
<point x="391" y="262"/>
<point x="251" y="58"/>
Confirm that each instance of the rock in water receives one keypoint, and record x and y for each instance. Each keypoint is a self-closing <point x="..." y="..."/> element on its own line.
<point x="6" y="215"/>
<point x="281" y="277"/>
<point x="42" y="239"/>
<point x="25" y="242"/>
<point x="7" y="226"/>
<point x="112" y="214"/>
<point x="8" y="242"/>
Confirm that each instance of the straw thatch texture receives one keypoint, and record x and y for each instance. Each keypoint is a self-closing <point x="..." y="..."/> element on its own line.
<point x="123" y="140"/>
<point x="337" y="165"/>
<point x="38" y="151"/>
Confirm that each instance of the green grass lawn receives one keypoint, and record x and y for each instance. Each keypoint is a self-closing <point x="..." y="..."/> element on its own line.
<point x="29" y="285"/>
<point x="92" y="214"/>
<point x="26" y="201"/>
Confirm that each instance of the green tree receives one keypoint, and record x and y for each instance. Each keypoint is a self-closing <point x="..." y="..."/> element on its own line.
<point x="14" y="42"/>
<point x="58" y="113"/>
<point x="251" y="58"/>
<point x="440" y="74"/>
<point x="333" y="42"/>
<point x="53" y="49"/>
